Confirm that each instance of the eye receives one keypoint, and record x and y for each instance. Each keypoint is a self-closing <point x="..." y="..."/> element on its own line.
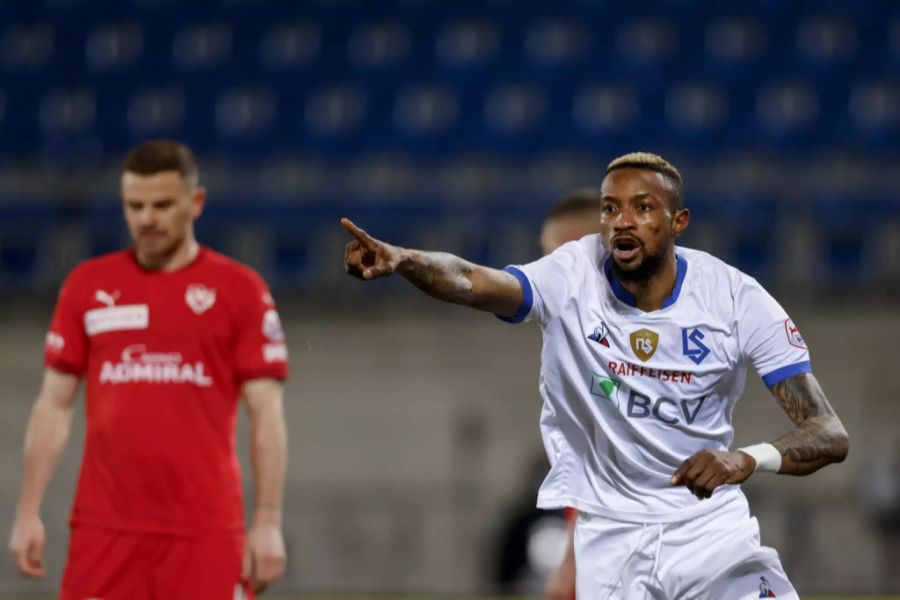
<point x="644" y="207"/>
<point x="608" y="208"/>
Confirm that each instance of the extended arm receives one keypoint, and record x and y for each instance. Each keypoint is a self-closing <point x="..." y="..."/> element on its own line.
<point x="45" y="436"/>
<point x="438" y="274"/>
<point x="818" y="439"/>
<point x="264" y="556"/>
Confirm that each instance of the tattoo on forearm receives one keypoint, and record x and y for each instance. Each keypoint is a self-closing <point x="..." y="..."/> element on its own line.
<point x="440" y="275"/>
<point x="819" y="438"/>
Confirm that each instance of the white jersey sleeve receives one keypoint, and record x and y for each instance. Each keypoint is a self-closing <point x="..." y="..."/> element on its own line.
<point x="547" y="283"/>
<point x="767" y="336"/>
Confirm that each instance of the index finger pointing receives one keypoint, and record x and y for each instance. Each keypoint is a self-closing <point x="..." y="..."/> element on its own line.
<point x="358" y="233"/>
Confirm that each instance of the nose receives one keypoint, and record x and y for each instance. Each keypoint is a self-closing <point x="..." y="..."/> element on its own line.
<point x="624" y="220"/>
<point x="146" y="218"/>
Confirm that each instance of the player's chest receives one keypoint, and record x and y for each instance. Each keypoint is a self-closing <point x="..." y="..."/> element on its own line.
<point x="173" y="314"/>
<point x="677" y="346"/>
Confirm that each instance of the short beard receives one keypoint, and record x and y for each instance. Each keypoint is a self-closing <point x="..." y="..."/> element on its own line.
<point x="650" y="266"/>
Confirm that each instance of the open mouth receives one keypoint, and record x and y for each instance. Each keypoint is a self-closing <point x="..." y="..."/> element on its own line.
<point x="625" y="248"/>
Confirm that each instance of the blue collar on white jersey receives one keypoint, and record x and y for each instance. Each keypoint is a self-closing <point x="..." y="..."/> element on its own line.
<point x="628" y="298"/>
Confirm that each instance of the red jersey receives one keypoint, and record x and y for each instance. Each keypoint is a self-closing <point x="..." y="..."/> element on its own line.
<point x="164" y="355"/>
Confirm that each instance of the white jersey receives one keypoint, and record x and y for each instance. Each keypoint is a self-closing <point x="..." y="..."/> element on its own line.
<point x="628" y="395"/>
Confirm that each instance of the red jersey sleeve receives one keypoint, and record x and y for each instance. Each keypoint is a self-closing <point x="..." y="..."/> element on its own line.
<point x="65" y="348"/>
<point x="260" y="350"/>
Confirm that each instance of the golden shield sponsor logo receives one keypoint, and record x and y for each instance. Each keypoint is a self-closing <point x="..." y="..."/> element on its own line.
<point x="644" y="343"/>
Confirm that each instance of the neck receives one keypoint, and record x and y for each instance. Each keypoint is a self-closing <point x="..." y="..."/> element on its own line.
<point x="650" y="294"/>
<point x="181" y="256"/>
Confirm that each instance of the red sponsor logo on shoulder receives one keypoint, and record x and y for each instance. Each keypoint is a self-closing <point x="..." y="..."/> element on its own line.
<point x="793" y="335"/>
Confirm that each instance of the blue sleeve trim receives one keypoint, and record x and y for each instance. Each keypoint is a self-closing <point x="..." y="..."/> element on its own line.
<point x="527" y="297"/>
<point x="779" y="375"/>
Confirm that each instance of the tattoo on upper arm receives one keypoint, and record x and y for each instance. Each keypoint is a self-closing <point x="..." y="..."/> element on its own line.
<point x="819" y="437"/>
<point x="801" y="397"/>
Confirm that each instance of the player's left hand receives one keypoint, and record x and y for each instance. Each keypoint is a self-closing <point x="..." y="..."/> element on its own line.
<point x="708" y="469"/>
<point x="264" y="556"/>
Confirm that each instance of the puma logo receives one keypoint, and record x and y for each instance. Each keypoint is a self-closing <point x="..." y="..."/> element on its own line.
<point x="108" y="299"/>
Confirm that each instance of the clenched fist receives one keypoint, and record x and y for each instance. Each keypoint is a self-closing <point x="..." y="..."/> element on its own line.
<point x="708" y="469"/>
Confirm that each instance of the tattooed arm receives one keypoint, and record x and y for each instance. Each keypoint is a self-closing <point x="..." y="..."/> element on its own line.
<point x="819" y="438"/>
<point x="440" y="275"/>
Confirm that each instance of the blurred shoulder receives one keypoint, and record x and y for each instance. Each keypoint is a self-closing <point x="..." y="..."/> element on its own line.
<point x="237" y="272"/>
<point x="101" y="266"/>
<point x="716" y="280"/>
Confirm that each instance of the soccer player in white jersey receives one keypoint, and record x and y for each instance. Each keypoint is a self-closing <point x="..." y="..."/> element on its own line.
<point x="645" y="350"/>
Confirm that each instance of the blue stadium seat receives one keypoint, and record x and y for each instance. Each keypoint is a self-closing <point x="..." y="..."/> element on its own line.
<point x="647" y="49"/>
<point x="22" y="227"/>
<point x="744" y="223"/>
<point x="788" y="116"/>
<point x="515" y="118"/>
<point x="245" y="121"/>
<point x="697" y="115"/>
<point x="334" y="119"/>
<point x="466" y="54"/>
<point x="846" y="226"/>
<point x="609" y="116"/>
<point x="874" y="116"/>
<point x="425" y="120"/>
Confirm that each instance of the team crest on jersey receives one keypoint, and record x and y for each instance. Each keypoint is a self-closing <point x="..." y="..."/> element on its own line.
<point x="793" y="335"/>
<point x="644" y="343"/>
<point x="600" y="335"/>
<point x="199" y="298"/>
<point x="764" y="590"/>
<point x="692" y="345"/>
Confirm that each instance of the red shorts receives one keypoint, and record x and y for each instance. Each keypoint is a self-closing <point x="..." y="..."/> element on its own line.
<point x="116" y="565"/>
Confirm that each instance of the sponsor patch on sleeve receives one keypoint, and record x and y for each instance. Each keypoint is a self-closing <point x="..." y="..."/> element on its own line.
<point x="793" y="335"/>
<point x="275" y="352"/>
<point x="55" y="342"/>
<point x="271" y="326"/>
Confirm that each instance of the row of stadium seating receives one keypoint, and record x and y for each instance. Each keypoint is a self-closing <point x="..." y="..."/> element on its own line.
<point x="438" y="78"/>
<point x="831" y="243"/>
<point x="515" y="117"/>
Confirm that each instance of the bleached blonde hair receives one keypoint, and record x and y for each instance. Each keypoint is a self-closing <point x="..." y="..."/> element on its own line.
<point x="653" y="162"/>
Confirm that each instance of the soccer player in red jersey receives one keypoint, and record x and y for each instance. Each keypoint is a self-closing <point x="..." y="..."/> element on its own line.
<point x="576" y="215"/>
<point x="167" y="335"/>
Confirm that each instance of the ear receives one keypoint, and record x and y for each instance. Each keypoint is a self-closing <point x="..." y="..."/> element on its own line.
<point x="680" y="221"/>
<point x="198" y="202"/>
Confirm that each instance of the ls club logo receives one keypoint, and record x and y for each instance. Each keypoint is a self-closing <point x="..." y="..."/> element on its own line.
<point x="692" y="346"/>
<point x="600" y="335"/>
<point x="644" y="343"/>
<point x="764" y="590"/>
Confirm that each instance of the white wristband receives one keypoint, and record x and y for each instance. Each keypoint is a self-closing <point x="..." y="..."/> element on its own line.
<point x="767" y="457"/>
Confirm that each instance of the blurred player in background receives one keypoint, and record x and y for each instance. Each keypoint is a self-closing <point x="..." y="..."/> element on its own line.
<point x="168" y="335"/>
<point x="576" y="215"/>
<point x="645" y="349"/>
